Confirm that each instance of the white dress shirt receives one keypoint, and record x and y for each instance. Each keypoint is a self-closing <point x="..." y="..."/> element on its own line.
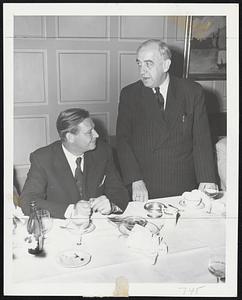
<point x="71" y="158"/>
<point x="164" y="89"/>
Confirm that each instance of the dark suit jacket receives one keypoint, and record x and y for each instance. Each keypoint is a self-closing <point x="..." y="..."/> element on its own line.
<point x="50" y="181"/>
<point x="171" y="152"/>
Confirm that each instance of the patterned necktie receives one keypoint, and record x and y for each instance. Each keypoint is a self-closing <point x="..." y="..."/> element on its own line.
<point x="160" y="98"/>
<point x="79" y="175"/>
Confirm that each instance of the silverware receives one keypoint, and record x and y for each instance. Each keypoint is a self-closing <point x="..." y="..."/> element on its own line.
<point x="175" y="207"/>
<point x="177" y="216"/>
<point x="157" y="254"/>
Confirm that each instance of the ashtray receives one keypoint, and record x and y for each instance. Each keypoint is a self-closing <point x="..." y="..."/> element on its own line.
<point x="154" y="209"/>
<point x="128" y="223"/>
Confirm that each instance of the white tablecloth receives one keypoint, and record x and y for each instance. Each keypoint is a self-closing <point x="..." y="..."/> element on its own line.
<point x="189" y="243"/>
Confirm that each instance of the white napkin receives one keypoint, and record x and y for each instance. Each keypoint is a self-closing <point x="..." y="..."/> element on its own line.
<point x="142" y="241"/>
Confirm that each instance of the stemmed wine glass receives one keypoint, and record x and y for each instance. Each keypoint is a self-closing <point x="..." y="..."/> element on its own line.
<point x="45" y="219"/>
<point x="216" y="264"/>
<point x="80" y="222"/>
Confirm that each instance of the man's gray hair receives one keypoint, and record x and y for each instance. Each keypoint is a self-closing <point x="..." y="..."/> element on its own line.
<point x="163" y="47"/>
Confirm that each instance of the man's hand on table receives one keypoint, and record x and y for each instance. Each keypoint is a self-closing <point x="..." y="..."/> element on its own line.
<point x="207" y="185"/>
<point x="101" y="204"/>
<point x="139" y="191"/>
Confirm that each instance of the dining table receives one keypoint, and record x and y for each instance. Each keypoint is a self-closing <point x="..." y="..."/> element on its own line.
<point x="189" y="234"/>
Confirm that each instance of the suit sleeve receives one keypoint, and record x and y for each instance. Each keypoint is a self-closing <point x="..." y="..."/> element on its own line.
<point x="202" y="146"/>
<point x="35" y="189"/>
<point x="114" y="188"/>
<point x="128" y="163"/>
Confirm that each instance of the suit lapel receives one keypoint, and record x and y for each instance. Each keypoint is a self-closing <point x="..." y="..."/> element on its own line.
<point x="64" y="175"/>
<point x="90" y="166"/>
<point x="174" y="104"/>
<point x="153" y="114"/>
<point x="174" y="108"/>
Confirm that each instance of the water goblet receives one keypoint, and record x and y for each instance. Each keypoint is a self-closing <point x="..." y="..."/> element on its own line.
<point x="45" y="220"/>
<point x="216" y="264"/>
<point x="212" y="194"/>
<point x="81" y="219"/>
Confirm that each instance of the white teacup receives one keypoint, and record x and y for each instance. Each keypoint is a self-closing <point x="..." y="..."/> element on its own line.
<point x="192" y="199"/>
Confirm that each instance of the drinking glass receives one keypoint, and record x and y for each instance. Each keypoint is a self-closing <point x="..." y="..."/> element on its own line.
<point x="46" y="220"/>
<point x="216" y="264"/>
<point x="212" y="194"/>
<point x="81" y="219"/>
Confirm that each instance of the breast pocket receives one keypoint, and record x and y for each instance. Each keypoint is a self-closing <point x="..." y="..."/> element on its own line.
<point x="100" y="187"/>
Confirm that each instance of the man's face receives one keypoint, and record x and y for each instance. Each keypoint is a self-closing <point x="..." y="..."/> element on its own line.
<point x="152" y="65"/>
<point x="85" y="139"/>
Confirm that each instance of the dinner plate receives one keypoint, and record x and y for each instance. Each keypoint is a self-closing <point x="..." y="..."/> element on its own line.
<point x="73" y="258"/>
<point x="128" y="223"/>
<point x="182" y="202"/>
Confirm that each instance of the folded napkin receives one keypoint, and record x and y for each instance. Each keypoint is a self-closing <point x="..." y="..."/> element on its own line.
<point x="142" y="241"/>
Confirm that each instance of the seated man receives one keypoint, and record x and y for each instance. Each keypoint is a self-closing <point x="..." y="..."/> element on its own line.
<point x="77" y="167"/>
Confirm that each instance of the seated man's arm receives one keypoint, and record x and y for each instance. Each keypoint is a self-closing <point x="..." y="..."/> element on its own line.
<point x="114" y="189"/>
<point x="35" y="188"/>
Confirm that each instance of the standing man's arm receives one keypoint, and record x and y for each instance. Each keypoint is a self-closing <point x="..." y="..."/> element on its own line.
<point x="202" y="146"/>
<point x="35" y="188"/>
<point x="129" y="166"/>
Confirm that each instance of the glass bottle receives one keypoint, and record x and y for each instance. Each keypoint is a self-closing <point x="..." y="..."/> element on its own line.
<point x="34" y="229"/>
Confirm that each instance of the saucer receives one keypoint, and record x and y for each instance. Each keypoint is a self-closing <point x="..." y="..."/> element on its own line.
<point x="182" y="202"/>
<point x="73" y="228"/>
<point x="73" y="258"/>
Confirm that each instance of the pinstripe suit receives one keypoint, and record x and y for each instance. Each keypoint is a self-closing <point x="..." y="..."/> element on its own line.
<point x="171" y="151"/>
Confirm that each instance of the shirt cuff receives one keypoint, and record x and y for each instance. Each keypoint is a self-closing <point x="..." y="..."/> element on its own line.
<point x="115" y="209"/>
<point x="69" y="211"/>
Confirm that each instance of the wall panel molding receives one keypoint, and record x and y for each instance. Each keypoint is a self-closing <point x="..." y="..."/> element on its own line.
<point x="83" y="36"/>
<point x="132" y="33"/>
<point x="180" y="28"/>
<point x="39" y="84"/>
<point x="131" y="75"/>
<point x="32" y="27"/>
<point x="28" y="134"/>
<point x="104" y="117"/>
<point x="92" y="86"/>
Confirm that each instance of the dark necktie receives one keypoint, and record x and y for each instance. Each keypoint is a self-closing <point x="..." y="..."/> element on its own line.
<point x="160" y="98"/>
<point x="79" y="175"/>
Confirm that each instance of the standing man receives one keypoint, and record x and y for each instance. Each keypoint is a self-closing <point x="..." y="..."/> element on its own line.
<point x="163" y="137"/>
<point x="77" y="167"/>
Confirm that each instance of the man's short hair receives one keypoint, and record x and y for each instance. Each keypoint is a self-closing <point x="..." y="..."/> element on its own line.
<point x="68" y="121"/>
<point x="163" y="47"/>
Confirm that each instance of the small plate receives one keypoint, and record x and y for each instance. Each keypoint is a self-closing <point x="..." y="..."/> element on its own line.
<point x="73" y="259"/>
<point x="127" y="225"/>
<point x="201" y="205"/>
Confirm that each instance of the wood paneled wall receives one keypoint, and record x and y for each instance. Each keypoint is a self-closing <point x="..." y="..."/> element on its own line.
<point x="83" y="61"/>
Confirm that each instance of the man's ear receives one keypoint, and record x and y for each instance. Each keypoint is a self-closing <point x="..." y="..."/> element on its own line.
<point x="69" y="137"/>
<point x="166" y="64"/>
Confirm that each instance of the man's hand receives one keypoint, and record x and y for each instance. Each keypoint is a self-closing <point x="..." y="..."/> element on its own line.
<point x="101" y="204"/>
<point x="207" y="185"/>
<point x="139" y="191"/>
